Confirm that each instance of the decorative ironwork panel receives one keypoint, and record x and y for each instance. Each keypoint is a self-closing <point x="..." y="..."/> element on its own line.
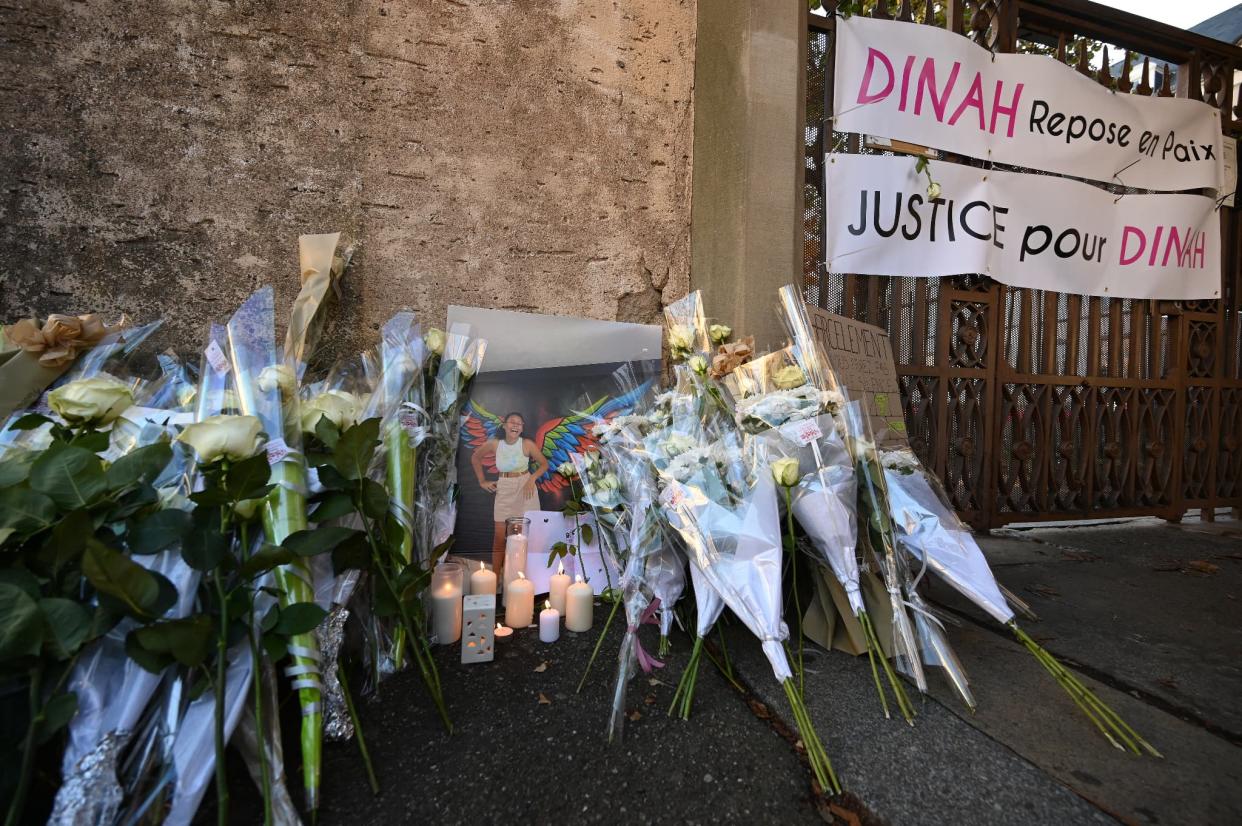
<point x="1037" y="405"/>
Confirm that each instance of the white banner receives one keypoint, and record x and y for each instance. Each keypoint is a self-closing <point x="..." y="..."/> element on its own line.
<point x="928" y="86"/>
<point x="1036" y="231"/>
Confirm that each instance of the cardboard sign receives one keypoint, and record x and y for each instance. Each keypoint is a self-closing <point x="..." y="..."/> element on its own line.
<point x="862" y="357"/>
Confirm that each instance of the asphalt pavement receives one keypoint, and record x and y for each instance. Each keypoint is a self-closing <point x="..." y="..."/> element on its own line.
<point x="1147" y="614"/>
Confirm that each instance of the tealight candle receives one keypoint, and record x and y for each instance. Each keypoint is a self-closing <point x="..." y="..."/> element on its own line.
<point x="503" y="632"/>
<point x="549" y="623"/>
<point x="521" y="605"/>
<point x="579" y="606"/>
<point x="558" y="584"/>
<point x="483" y="581"/>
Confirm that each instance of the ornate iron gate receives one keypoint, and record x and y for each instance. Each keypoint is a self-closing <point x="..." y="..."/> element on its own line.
<point x="1036" y="405"/>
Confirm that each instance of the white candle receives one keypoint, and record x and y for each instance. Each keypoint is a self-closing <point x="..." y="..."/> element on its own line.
<point x="503" y="632"/>
<point x="483" y="581"/>
<point x="549" y="623"/>
<point x="521" y="607"/>
<point x="557" y="585"/>
<point x="515" y="559"/>
<point x="579" y="606"/>
<point x="446" y="613"/>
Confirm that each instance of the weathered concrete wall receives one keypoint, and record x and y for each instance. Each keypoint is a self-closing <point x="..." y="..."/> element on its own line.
<point x="160" y="158"/>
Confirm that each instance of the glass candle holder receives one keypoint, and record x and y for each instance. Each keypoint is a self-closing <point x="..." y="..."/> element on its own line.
<point x="447" y="588"/>
<point x="517" y="529"/>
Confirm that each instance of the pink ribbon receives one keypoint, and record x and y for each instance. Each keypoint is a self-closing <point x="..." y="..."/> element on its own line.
<point x="645" y="661"/>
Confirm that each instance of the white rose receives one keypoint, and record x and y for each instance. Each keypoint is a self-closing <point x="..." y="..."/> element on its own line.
<point x="720" y="333"/>
<point x="789" y="377"/>
<point x="785" y="472"/>
<point x="677" y="444"/>
<point x="337" y="406"/>
<point x="465" y="368"/>
<point x="933" y="191"/>
<point x="680" y="337"/>
<point x="567" y="470"/>
<point x="608" y="481"/>
<point x="224" y="437"/>
<point x="698" y="364"/>
<point x="97" y="400"/>
<point x="278" y="376"/>
<point x="434" y="340"/>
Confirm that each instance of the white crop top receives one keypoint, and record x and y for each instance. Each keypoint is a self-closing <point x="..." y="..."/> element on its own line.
<point x="510" y="458"/>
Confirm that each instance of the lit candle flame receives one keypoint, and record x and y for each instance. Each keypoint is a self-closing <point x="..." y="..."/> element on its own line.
<point x="521" y="575"/>
<point x="499" y="626"/>
<point x="560" y="569"/>
<point x="480" y="565"/>
<point x="579" y="578"/>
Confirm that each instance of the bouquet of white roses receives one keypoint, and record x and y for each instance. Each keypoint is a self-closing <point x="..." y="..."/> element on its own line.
<point x="436" y="509"/>
<point x="721" y="500"/>
<point x="929" y="529"/>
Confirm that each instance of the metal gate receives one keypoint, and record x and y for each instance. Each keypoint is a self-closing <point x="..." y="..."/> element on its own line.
<point x="1035" y="405"/>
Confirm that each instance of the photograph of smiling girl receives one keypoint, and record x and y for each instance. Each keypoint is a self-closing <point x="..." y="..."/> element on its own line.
<point x="520" y="427"/>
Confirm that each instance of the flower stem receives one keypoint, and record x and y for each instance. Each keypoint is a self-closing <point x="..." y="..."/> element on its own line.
<point x="603" y="632"/>
<point x="28" y="746"/>
<point x="793" y="562"/>
<point x="222" y="647"/>
<point x="353" y="716"/>
<point x="1105" y="719"/>
<point x="899" y="691"/>
<point x="821" y="766"/>
<point x="683" y="697"/>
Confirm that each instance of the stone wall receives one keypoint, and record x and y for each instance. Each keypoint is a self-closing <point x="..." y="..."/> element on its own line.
<point x="160" y="158"/>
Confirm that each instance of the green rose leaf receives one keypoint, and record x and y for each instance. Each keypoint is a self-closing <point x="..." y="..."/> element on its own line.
<point x="354" y="553"/>
<point x="159" y="531"/>
<point x="30" y="421"/>
<point x="21" y="624"/>
<point x="147" y="660"/>
<point x="140" y="498"/>
<point x="139" y="466"/>
<point x="327" y="432"/>
<point x="265" y="559"/>
<point x="96" y="441"/>
<point x="586" y="534"/>
<point x="16" y="466"/>
<point x="333" y="505"/>
<point x="25" y="511"/>
<point x="274" y="645"/>
<point x="299" y="618"/>
<point x="189" y="640"/>
<point x="114" y="574"/>
<point x="67" y="625"/>
<point x="246" y="477"/>
<point x="72" y="477"/>
<point x="23" y="579"/>
<point x="355" y="448"/>
<point x="56" y="715"/>
<point x="204" y="546"/>
<point x="315" y="541"/>
<point x="374" y="499"/>
<point x="331" y="479"/>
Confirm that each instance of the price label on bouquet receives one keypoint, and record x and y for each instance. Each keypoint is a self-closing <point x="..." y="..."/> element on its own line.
<point x="803" y="432"/>
<point x="673" y="495"/>
<point x="216" y="358"/>
<point x="277" y="451"/>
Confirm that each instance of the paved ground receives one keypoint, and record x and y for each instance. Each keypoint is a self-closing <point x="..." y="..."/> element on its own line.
<point x="1147" y="612"/>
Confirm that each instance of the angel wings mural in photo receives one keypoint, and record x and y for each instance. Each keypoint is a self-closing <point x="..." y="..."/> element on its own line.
<point x="556" y="438"/>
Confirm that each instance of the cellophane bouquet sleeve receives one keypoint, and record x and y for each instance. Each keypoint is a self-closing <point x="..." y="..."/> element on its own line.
<point x="266" y="388"/>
